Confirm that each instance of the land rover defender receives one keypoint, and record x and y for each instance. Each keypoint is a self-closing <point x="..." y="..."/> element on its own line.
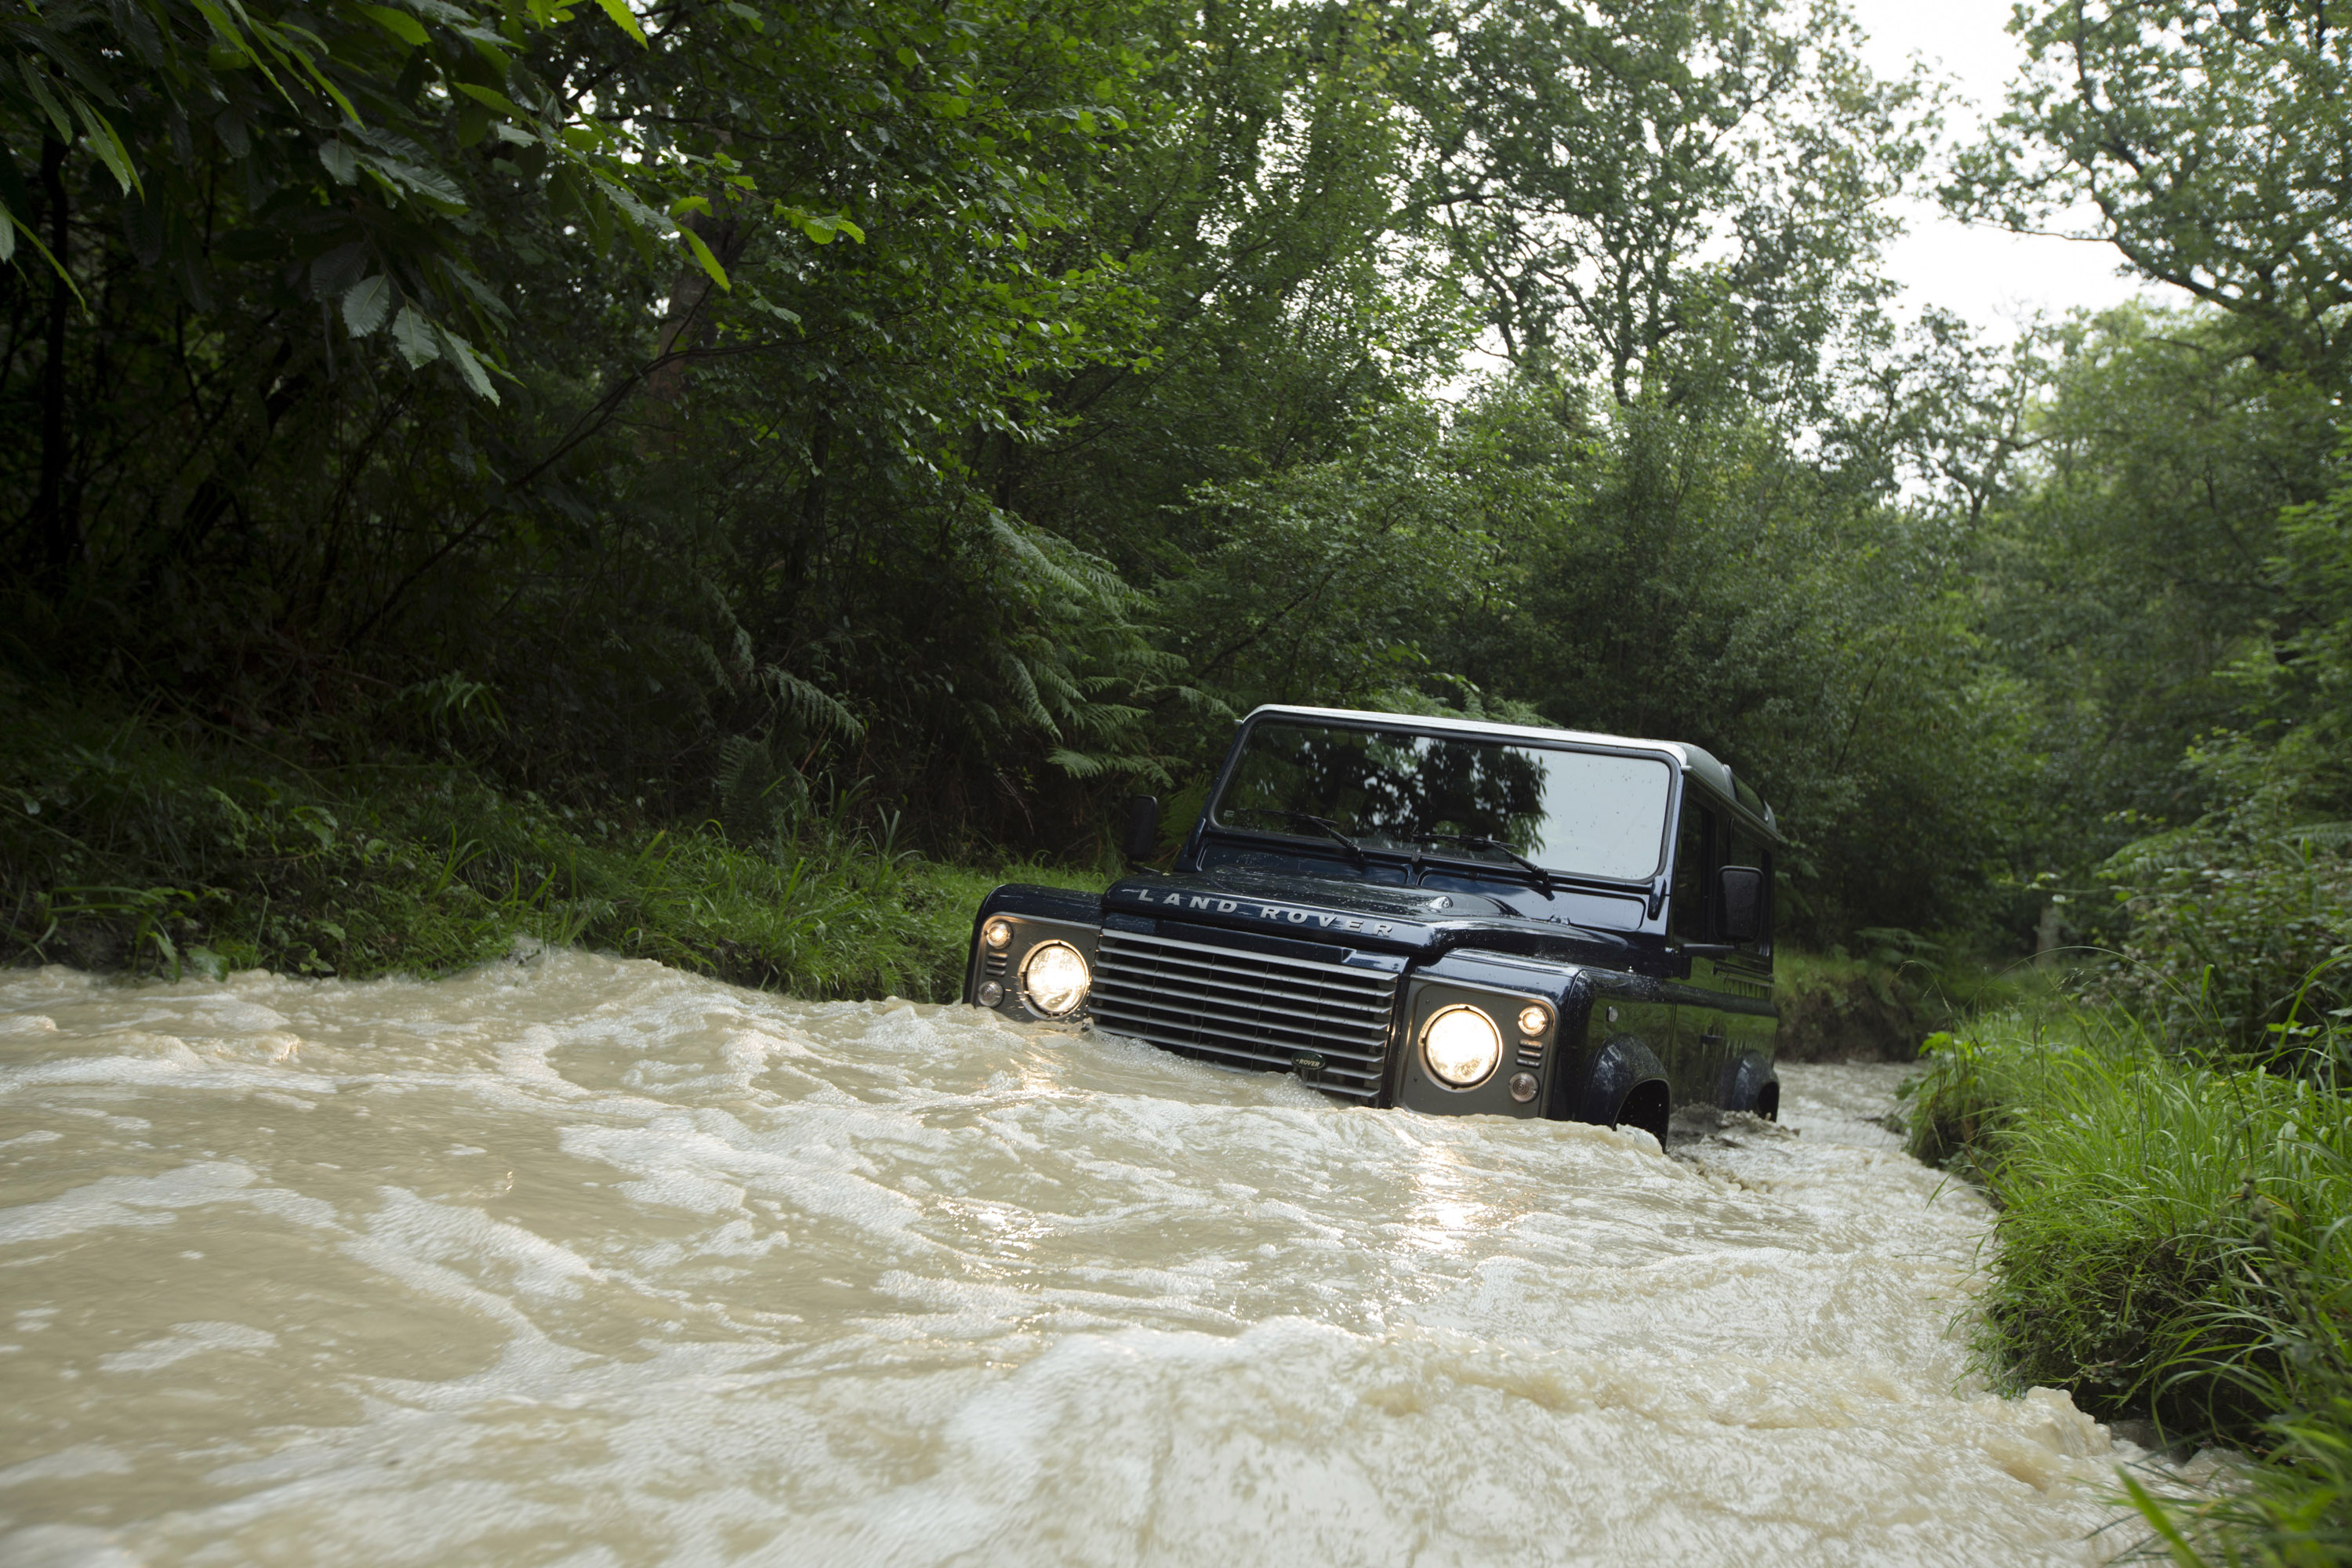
<point x="1444" y="914"/>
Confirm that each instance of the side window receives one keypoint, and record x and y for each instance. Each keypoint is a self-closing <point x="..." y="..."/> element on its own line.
<point x="1695" y="860"/>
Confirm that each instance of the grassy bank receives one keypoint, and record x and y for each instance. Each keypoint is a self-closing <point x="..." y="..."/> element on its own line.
<point x="1878" y="999"/>
<point x="2174" y="1247"/>
<point x="130" y="844"/>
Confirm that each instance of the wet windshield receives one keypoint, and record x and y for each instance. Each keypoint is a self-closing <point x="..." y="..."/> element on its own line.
<point x="1592" y="813"/>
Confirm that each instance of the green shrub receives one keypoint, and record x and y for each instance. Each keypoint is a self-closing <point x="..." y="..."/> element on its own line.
<point x="2240" y="926"/>
<point x="2173" y="1244"/>
<point x="125" y="846"/>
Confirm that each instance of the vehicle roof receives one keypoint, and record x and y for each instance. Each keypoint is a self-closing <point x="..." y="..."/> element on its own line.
<point x="1696" y="761"/>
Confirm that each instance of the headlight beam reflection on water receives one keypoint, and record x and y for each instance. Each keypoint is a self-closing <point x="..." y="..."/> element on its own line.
<point x="586" y="1260"/>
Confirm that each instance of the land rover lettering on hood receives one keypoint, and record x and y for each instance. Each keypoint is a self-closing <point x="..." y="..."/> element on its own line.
<point x="1440" y="914"/>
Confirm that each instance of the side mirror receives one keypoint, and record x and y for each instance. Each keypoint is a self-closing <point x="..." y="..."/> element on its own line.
<point x="1141" y="839"/>
<point x="1740" y="895"/>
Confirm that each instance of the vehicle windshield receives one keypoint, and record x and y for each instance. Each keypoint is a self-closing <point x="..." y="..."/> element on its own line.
<point x="1592" y="814"/>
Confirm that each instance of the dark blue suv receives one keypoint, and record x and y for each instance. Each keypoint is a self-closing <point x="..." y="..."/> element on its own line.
<point x="1444" y="914"/>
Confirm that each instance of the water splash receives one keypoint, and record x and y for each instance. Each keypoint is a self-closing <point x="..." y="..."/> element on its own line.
<point x="587" y="1261"/>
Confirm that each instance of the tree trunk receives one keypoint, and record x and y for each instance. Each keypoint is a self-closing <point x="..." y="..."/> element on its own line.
<point x="54" y="516"/>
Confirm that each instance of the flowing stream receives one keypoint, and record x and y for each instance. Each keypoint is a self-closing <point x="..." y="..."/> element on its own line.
<point x="584" y="1261"/>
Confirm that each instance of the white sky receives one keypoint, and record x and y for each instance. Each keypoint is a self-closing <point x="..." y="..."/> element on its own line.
<point x="1991" y="278"/>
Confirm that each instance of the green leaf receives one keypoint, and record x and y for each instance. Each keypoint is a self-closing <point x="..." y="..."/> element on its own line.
<point x="823" y="230"/>
<point x="366" y="304"/>
<point x="399" y="23"/>
<point x="492" y="97"/>
<point x="411" y="334"/>
<point x="461" y="353"/>
<point x="709" y="262"/>
<point x="107" y="145"/>
<point x="10" y="225"/>
<point x="39" y="80"/>
<point x="622" y="18"/>
<point x="339" y="163"/>
<point x="430" y="184"/>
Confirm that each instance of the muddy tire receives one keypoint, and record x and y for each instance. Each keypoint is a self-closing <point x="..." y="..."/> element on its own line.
<point x="1749" y="1084"/>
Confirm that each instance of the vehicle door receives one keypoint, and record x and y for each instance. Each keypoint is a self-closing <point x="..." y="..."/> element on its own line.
<point x="1722" y="1007"/>
<point x="1743" y="978"/>
<point x="1695" y="1064"/>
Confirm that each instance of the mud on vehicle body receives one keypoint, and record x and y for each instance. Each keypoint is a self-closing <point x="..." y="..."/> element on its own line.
<point x="1450" y="916"/>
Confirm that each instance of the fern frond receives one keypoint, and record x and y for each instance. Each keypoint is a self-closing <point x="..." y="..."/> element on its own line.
<point x="811" y="705"/>
<point x="1017" y="675"/>
<point x="1080" y="765"/>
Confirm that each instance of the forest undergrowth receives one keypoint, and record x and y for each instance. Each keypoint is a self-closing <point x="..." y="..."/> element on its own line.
<point x="156" y="848"/>
<point x="2174" y="1246"/>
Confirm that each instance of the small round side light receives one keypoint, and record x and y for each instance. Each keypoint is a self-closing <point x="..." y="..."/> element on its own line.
<point x="1523" y="1087"/>
<point x="1534" y="1019"/>
<point x="997" y="934"/>
<point x="991" y="993"/>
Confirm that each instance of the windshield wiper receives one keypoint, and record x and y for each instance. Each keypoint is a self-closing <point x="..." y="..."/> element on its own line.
<point x="1478" y="841"/>
<point x="1325" y="825"/>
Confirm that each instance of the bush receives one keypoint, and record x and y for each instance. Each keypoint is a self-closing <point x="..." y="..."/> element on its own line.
<point x="2240" y="925"/>
<point x="2173" y="1244"/>
<point x="128" y="846"/>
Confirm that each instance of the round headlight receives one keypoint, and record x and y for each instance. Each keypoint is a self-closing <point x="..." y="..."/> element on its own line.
<point x="1055" y="978"/>
<point x="1534" y="1019"/>
<point x="1461" y="1046"/>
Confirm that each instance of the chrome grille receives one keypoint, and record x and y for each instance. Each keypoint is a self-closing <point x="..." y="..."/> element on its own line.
<point x="1250" y="1009"/>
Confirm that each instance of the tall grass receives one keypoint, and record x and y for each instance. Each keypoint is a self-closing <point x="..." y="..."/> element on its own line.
<point x="126" y="846"/>
<point x="2173" y="1244"/>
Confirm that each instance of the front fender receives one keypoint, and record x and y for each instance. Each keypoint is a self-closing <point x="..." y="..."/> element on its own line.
<point x="1625" y="1085"/>
<point x="1037" y="914"/>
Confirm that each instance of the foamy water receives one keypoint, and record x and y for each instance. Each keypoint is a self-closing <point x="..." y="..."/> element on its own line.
<point x="594" y="1262"/>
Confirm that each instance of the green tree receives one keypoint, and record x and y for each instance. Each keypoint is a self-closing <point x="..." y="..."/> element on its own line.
<point x="344" y="386"/>
<point x="1682" y="199"/>
<point x="2130" y="563"/>
<point x="2206" y="139"/>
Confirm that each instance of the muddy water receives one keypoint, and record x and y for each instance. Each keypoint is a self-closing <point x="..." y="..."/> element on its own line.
<point x="589" y="1262"/>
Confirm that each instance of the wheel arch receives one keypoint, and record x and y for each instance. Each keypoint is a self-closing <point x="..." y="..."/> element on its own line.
<point x="1625" y="1085"/>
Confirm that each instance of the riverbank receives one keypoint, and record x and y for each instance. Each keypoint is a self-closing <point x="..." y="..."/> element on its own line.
<point x="131" y="846"/>
<point x="1881" y="1003"/>
<point x="2175" y="1247"/>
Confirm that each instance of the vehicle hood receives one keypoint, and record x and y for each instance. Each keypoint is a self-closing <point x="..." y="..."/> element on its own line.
<point x="1356" y="915"/>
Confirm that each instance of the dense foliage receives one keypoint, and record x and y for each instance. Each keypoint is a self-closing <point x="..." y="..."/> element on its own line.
<point x="714" y="409"/>
<point x="2173" y="1247"/>
<point x="188" y="850"/>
